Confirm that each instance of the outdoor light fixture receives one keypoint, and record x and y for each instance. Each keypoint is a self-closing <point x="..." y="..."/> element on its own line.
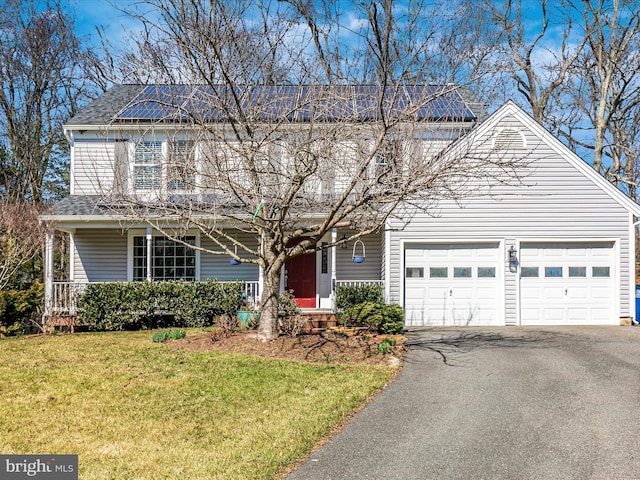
<point x="513" y="255"/>
<point x="344" y="244"/>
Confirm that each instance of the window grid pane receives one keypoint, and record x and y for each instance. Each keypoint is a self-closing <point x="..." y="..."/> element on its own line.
<point x="168" y="259"/>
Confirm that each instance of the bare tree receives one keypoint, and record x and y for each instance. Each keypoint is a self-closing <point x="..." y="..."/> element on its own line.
<point x="21" y="237"/>
<point x="532" y="56"/>
<point x="288" y="164"/>
<point x="41" y="84"/>
<point x="607" y="90"/>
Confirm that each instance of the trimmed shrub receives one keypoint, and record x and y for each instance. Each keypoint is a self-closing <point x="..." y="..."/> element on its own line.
<point x="347" y="297"/>
<point x="377" y="317"/>
<point x="145" y="305"/>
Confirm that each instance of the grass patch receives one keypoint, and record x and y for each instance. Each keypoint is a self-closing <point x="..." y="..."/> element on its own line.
<point x="140" y="410"/>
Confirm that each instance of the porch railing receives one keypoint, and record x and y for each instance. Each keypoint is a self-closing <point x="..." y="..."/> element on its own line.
<point x="64" y="296"/>
<point x="357" y="283"/>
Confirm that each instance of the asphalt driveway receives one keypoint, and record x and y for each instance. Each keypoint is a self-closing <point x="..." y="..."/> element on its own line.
<point x="499" y="403"/>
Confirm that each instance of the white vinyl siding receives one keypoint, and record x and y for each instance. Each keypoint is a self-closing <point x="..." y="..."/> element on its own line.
<point x="370" y="269"/>
<point x="92" y="167"/>
<point x="100" y="255"/>
<point x="218" y="266"/>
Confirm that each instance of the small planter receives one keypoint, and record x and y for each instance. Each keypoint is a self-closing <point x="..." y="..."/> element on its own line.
<point x="247" y="316"/>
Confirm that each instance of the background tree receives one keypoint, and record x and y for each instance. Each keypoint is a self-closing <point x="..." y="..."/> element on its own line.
<point x="289" y="183"/>
<point x="606" y="90"/>
<point x="539" y="45"/>
<point x="41" y="85"/>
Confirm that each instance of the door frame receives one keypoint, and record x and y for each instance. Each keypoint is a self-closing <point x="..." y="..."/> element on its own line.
<point x="313" y="275"/>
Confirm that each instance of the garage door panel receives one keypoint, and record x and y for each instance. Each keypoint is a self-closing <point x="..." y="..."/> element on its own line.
<point x="461" y="284"/>
<point x="574" y="285"/>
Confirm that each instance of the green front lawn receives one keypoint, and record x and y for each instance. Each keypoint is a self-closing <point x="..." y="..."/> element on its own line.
<point x="133" y="409"/>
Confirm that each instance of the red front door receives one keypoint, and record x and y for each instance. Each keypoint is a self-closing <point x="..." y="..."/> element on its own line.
<point x="300" y="275"/>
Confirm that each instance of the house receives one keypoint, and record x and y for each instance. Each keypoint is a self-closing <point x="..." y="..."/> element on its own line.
<point x="557" y="247"/>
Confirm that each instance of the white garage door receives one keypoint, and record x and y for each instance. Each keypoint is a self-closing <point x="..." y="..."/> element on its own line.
<point x="452" y="285"/>
<point x="567" y="284"/>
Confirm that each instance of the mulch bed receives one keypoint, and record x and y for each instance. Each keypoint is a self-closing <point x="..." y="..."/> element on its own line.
<point x="325" y="347"/>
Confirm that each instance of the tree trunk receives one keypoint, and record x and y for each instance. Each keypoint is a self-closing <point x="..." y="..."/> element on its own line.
<point x="268" y="326"/>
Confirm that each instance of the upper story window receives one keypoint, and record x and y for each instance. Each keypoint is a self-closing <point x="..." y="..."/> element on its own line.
<point x="166" y="165"/>
<point x="181" y="165"/>
<point x="147" y="166"/>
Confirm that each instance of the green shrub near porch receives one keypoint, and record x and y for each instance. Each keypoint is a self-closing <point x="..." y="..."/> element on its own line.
<point x="136" y="305"/>
<point x="348" y="296"/>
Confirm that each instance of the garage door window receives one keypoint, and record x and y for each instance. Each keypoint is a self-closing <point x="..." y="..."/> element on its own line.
<point x="553" y="272"/>
<point x="578" y="272"/>
<point x="415" y="272"/>
<point x="529" y="272"/>
<point x="438" y="272"/>
<point x="601" y="272"/>
<point x="462" y="272"/>
<point x="486" y="272"/>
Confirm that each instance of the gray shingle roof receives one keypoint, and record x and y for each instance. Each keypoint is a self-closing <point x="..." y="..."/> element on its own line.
<point x="78" y="205"/>
<point x="102" y="110"/>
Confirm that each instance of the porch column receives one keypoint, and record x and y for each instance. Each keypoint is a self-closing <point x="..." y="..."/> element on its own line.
<point x="334" y="239"/>
<point x="48" y="275"/>
<point x="149" y="252"/>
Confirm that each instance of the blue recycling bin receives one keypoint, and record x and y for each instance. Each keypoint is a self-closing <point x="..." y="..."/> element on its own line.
<point x="637" y="319"/>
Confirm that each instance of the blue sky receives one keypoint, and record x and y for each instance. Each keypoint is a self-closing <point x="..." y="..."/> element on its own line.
<point x="93" y="13"/>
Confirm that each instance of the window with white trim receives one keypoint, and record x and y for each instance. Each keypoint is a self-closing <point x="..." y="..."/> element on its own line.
<point x="164" y="165"/>
<point x="170" y="260"/>
<point x="181" y="165"/>
<point x="147" y="166"/>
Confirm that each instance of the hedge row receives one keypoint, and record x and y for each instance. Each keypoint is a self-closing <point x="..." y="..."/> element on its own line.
<point x="139" y="305"/>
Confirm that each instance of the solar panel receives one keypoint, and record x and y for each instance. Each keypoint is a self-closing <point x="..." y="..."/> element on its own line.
<point x="296" y="103"/>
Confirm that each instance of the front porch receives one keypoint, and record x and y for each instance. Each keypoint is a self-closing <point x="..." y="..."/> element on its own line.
<point x="61" y="305"/>
<point x="103" y="253"/>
